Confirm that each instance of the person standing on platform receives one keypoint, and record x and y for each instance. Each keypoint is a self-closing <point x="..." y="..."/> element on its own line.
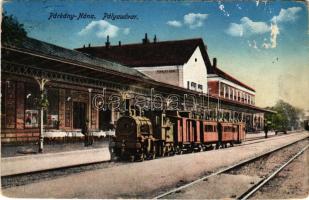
<point x="85" y="132"/>
<point x="266" y="128"/>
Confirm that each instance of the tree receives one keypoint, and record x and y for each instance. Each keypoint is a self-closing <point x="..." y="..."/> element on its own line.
<point x="13" y="32"/>
<point x="287" y="117"/>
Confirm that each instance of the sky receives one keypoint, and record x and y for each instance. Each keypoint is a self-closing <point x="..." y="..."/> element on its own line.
<point x="264" y="44"/>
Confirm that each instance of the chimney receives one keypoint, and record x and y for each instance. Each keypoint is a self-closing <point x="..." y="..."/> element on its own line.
<point x="119" y="43"/>
<point x="84" y="46"/>
<point x="89" y="45"/>
<point x="107" y="43"/>
<point x="155" y="39"/>
<point x="145" y="40"/>
<point x="214" y="63"/>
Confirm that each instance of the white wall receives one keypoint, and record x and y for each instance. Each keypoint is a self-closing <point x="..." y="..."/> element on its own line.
<point x="166" y="74"/>
<point x="195" y="70"/>
<point x="179" y="75"/>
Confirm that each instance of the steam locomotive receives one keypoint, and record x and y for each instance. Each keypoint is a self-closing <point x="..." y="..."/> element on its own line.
<point x="159" y="133"/>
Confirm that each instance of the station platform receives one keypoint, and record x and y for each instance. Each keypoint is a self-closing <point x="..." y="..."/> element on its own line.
<point x="25" y="158"/>
<point x="147" y="179"/>
<point x="259" y="134"/>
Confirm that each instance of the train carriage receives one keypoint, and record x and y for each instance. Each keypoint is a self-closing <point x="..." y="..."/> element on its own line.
<point x="239" y="135"/>
<point x="228" y="131"/>
<point x="209" y="132"/>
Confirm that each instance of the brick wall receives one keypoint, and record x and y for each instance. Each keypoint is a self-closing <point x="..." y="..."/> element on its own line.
<point x="19" y="135"/>
<point x="213" y="87"/>
<point x="14" y="131"/>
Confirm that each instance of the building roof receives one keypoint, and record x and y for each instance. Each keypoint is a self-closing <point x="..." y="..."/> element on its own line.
<point x="37" y="46"/>
<point x="46" y="51"/>
<point x="149" y="54"/>
<point x="226" y="76"/>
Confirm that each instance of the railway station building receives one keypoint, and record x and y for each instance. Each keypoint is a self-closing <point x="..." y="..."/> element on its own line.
<point x="185" y="63"/>
<point x="76" y="85"/>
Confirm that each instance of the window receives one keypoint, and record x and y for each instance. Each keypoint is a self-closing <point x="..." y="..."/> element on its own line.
<point x="195" y="59"/>
<point x="221" y="89"/>
<point x="209" y="128"/>
<point x="193" y="85"/>
<point x="227" y="129"/>
<point x="8" y="104"/>
<point x="51" y="115"/>
<point x="234" y="94"/>
<point x="32" y="96"/>
<point x="200" y="87"/>
<point x="144" y="129"/>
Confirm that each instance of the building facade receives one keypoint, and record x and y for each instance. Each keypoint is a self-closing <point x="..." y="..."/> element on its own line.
<point x="185" y="63"/>
<point x="80" y="87"/>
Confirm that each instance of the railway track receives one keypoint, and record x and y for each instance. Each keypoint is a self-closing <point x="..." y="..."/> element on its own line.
<point x="248" y="192"/>
<point x="31" y="177"/>
<point x="256" y="187"/>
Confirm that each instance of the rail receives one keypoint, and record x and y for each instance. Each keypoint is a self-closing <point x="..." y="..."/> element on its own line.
<point x="229" y="168"/>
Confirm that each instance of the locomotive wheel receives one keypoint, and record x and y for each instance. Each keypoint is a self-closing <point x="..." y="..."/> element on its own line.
<point x="160" y="150"/>
<point x="153" y="154"/>
<point x="172" y="152"/>
<point x="141" y="157"/>
<point x="163" y="151"/>
<point x="132" y="158"/>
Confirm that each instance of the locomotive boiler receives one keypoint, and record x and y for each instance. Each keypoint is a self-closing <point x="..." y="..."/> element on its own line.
<point x="140" y="137"/>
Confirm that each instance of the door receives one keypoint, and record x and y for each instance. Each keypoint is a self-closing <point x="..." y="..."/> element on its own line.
<point x="79" y="114"/>
<point x="105" y="118"/>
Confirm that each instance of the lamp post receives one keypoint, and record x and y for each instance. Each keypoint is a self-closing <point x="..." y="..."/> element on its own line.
<point x="41" y="82"/>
